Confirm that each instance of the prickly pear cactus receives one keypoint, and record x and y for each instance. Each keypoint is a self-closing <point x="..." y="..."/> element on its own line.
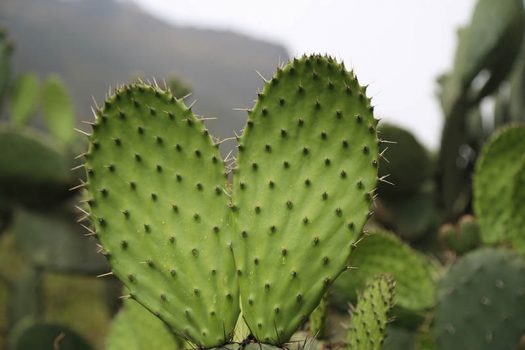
<point x="161" y="208"/>
<point x="317" y="322"/>
<point x="370" y="317"/>
<point x="481" y="302"/>
<point x="307" y="169"/>
<point x="499" y="198"/>
<point x="383" y="252"/>
<point x="24" y="99"/>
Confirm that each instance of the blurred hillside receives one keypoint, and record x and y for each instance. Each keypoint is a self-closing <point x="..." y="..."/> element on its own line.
<point x="94" y="44"/>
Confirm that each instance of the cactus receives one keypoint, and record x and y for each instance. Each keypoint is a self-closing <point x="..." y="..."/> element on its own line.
<point x="461" y="238"/>
<point x="58" y="110"/>
<point x="370" y="317"/>
<point x="135" y="328"/>
<point x="310" y="134"/>
<point x="481" y="301"/>
<point x="498" y="188"/>
<point x="24" y="99"/>
<point x="405" y="153"/>
<point x="161" y="205"/>
<point x="385" y="253"/>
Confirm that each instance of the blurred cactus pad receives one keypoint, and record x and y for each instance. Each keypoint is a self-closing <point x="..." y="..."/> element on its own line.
<point x="189" y="246"/>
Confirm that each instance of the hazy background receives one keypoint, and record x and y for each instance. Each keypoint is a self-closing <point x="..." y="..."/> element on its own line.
<point x="398" y="48"/>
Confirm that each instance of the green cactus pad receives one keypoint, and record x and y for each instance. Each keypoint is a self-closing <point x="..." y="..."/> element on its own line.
<point x="481" y="301"/>
<point x="24" y="99"/>
<point x="405" y="153"/>
<point x="370" y="317"/>
<point x="307" y="169"/>
<point x="135" y="328"/>
<point x="160" y="207"/>
<point x="58" y="110"/>
<point x="499" y="198"/>
<point x="385" y="253"/>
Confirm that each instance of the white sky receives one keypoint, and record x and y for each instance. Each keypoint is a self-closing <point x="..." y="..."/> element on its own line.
<point x="398" y="47"/>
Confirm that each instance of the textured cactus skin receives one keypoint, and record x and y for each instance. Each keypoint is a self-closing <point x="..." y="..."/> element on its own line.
<point x="160" y="208"/>
<point x="370" y="317"/>
<point x="307" y="167"/>
<point x="384" y="253"/>
<point x="498" y="188"/>
<point x="481" y="302"/>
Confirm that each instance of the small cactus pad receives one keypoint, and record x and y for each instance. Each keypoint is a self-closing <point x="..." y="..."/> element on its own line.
<point x="307" y="169"/>
<point x="385" y="253"/>
<point x="160" y="207"/>
<point x="24" y="99"/>
<point x="499" y="198"/>
<point x="463" y="238"/>
<point x="370" y="317"/>
<point x="481" y="301"/>
<point x="135" y="328"/>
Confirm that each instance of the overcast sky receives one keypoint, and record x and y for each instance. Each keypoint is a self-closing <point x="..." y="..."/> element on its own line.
<point x="398" y="47"/>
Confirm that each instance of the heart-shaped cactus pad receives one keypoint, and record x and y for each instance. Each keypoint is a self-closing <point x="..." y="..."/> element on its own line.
<point x="194" y="250"/>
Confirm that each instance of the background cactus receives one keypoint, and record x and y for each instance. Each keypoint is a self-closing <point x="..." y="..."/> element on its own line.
<point x="480" y="302"/>
<point x="381" y="252"/>
<point x="498" y="184"/>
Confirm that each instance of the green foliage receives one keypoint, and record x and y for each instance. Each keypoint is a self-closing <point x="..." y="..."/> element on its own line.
<point x="159" y="202"/>
<point x="24" y="99"/>
<point x="404" y="153"/>
<point x="58" y="110"/>
<point x="56" y="243"/>
<point x="310" y="133"/>
<point x="481" y="302"/>
<point x="385" y="253"/>
<point x="370" y="317"/>
<point x="135" y="328"/>
<point x="31" y="336"/>
<point x="499" y="182"/>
